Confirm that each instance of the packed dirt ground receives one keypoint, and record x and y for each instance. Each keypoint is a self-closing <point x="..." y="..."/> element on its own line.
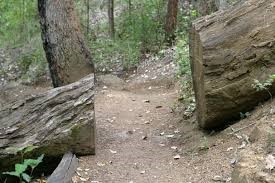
<point x="142" y="136"/>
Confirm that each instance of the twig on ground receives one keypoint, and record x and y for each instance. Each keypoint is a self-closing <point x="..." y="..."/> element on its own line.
<point x="235" y="131"/>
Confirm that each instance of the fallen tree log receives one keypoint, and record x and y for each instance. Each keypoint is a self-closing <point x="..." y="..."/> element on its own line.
<point x="66" y="170"/>
<point x="57" y="121"/>
<point x="228" y="51"/>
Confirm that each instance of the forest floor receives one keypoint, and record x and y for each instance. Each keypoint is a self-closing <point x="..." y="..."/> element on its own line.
<point x="143" y="137"/>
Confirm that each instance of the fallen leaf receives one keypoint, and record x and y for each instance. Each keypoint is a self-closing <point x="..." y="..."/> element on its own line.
<point x="170" y="136"/>
<point x="270" y="162"/>
<point x="177" y="157"/>
<point x="174" y="147"/>
<point x="100" y="164"/>
<point x="229" y="149"/>
<point x="144" y="137"/>
<point x="78" y="173"/>
<point x="79" y="169"/>
<point x="233" y="162"/>
<point x="113" y="152"/>
<point x="217" y="178"/>
<point x="84" y="179"/>
<point x="177" y="131"/>
<point x="238" y="136"/>
<point x="242" y="146"/>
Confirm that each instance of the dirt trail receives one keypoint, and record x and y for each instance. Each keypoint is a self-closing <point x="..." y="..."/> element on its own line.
<point x="138" y="137"/>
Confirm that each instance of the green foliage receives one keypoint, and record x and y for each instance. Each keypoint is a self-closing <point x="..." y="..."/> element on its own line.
<point x="244" y="115"/>
<point x="185" y="18"/>
<point x="21" y="168"/>
<point x="143" y="24"/>
<point x="204" y="144"/>
<point x="108" y="52"/>
<point x="260" y="86"/>
<point x="184" y="73"/>
<point x="138" y="31"/>
<point x="182" y="57"/>
<point x="32" y="63"/>
<point x="19" y="21"/>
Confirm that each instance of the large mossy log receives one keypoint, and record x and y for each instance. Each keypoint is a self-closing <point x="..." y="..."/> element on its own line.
<point x="59" y="120"/>
<point x="229" y="50"/>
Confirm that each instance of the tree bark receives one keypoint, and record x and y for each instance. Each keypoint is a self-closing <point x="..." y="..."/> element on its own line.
<point x="171" y="20"/>
<point x="88" y="17"/>
<point x="57" y="121"/>
<point x="130" y="7"/>
<point x="111" y="18"/>
<point x="68" y="56"/>
<point x="66" y="170"/>
<point x="228" y="51"/>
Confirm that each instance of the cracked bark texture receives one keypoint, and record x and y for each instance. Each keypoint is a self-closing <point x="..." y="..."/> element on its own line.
<point x="68" y="56"/>
<point x="229" y="49"/>
<point x="57" y="121"/>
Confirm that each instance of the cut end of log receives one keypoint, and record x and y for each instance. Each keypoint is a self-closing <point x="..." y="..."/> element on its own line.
<point x="228" y="51"/>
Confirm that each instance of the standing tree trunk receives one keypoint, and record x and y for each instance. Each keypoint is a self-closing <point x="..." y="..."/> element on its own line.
<point x="68" y="56"/>
<point x="111" y="18"/>
<point x="130" y="6"/>
<point x="171" y="20"/>
<point x="88" y="16"/>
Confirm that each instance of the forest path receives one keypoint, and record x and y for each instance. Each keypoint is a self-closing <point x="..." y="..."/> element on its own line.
<point x="138" y="137"/>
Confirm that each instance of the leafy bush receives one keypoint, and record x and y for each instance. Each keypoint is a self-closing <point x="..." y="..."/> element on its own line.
<point x="184" y="73"/>
<point x="21" y="168"/>
<point x="260" y="86"/>
<point x="182" y="57"/>
<point x="138" y="31"/>
<point x="107" y="53"/>
<point x="19" y="22"/>
<point x="143" y="24"/>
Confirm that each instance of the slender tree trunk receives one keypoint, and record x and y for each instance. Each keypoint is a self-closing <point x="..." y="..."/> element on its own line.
<point x="171" y="20"/>
<point x="111" y="18"/>
<point x="68" y="56"/>
<point x="88" y="17"/>
<point x="130" y="7"/>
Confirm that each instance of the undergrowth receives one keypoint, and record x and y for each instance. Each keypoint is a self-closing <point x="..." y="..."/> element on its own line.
<point x="21" y="169"/>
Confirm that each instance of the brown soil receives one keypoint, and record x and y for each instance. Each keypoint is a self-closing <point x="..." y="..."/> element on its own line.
<point x="136" y="141"/>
